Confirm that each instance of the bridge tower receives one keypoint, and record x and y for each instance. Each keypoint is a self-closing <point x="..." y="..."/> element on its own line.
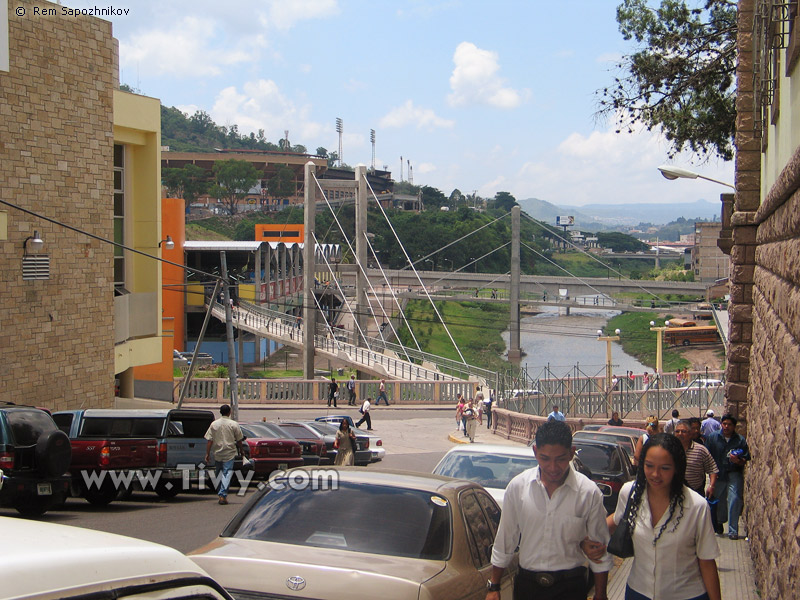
<point x="514" y="350"/>
<point x="309" y="268"/>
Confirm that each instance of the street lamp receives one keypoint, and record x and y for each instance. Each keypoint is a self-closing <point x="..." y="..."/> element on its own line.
<point x="670" y="172"/>
<point x="608" y="339"/>
<point x="659" y="332"/>
<point x="450" y="261"/>
<point x="433" y="266"/>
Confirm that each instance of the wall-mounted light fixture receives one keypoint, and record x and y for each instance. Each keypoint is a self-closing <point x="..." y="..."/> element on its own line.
<point x="168" y="243"/>
<point x="33" y="243"/>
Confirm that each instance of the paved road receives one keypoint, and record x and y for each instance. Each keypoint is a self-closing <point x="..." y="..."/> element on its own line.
<point x="415" y="440"/>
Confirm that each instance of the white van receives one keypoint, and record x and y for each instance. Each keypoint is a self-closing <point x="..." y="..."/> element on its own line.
<point x="44" y="561"/>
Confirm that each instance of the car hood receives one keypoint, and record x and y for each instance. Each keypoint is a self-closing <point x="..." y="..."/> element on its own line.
<point x="326" y="573"/>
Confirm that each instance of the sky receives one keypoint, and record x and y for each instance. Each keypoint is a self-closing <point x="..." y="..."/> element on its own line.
<point x="480" y="96"/>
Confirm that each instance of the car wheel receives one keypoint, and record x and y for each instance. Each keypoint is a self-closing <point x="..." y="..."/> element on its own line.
<point x="101" y="496"/>
<point x="53" y="453"/>
<point x="167" y="490"/>
<point x="36" y="506"/>
<point x="686" y="342"/>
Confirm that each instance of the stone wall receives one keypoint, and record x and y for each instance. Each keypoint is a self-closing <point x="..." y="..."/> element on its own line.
<point x="56" y="140"/>
<point x="773" y="480"/>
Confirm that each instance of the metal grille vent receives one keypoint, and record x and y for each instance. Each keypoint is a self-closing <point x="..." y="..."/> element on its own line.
<point x="36" y="266"/>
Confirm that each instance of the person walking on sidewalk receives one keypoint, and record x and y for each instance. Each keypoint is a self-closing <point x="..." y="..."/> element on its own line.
<point x="333" y="392"/>
<point x="674" y="548"/>
<point x="547" y="512"/>
<point x="382" y="393"/>
<point x="460" y="420"/>
<point x="473" y="419"/>
<point x="364" y="410"/>
<point x="225" y="442"/>
<point x="731" y="453"/>
<point x="699" y="461"/>
<point x="351" y="391"/>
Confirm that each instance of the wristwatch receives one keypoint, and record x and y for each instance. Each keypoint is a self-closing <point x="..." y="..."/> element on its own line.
<point x="491" y="586"/>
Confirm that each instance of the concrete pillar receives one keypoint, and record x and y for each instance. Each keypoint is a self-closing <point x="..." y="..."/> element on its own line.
<point x="361" y="253"/>
<point x="309" y="263"/>
<point x="257" y="278"/>
<point x="514" y="351"/>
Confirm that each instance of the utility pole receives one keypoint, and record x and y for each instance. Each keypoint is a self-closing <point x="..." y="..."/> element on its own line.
<point x="309" y="268"/>
<point x="362" y="306"/>
<point x="514" y="350"/>
<point x="226" y="290"/>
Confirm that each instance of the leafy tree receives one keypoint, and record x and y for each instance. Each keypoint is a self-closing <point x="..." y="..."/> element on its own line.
<point x="455" y="197"/>
<point x="282" y="183"/>
<point x="322" y="152"/>
<point x="504" y="201"/>
<point x="432" y="198"/>
<point x="681" y="77"/>
<point x="188" y="182"/>
<point x="620" y="242"/>
<point x="333" y="158"/>
<point x="234" y="180"/>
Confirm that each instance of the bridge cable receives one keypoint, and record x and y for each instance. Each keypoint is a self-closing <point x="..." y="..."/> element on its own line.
<point x="594" y="258"/>
<point x="587" y="284"/>
<point x="361" y="268"/>
<point x="419" y="279"/>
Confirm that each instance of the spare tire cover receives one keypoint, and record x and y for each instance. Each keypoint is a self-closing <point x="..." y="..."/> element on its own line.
<point x="53" y="453"/>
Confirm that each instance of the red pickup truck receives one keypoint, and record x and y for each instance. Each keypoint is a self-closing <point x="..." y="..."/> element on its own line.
<point x="107" y="458"/>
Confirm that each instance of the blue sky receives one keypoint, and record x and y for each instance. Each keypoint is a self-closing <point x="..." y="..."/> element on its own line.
<point x="479" y="96"/>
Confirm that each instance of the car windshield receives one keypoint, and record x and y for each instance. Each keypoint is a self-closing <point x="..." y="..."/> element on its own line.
<point x="600" y="459"/>
<point x="490" y="470"/>
<point x="324" y="428"/>
<point x="357" y="517"/>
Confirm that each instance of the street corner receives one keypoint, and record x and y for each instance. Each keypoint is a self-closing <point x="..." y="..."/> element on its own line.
<point x="458" y="437"/>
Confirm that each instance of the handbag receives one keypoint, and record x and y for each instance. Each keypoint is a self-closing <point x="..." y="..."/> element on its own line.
<point x="621" y="543"/>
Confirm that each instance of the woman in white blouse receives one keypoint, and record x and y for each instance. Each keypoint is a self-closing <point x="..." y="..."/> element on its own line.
<point x="674" y="547"/>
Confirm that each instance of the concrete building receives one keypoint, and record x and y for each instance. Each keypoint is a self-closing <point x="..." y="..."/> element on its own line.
<point x="761" y="231"/>
<point x="709" y="263"/>
<point x="77" y="312"/>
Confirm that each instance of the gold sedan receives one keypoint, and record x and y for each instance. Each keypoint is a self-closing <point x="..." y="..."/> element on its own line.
<point x="356" y="534"/>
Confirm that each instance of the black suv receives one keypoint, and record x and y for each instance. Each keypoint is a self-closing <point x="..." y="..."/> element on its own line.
<point x="34" y="459"/>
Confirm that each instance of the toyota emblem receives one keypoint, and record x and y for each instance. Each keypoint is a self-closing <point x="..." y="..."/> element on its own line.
<point x="295" y="583"/>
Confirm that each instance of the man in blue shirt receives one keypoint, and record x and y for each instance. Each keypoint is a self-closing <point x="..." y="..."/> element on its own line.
<point x="731" y="453"/>
<point x="556" y="415"/>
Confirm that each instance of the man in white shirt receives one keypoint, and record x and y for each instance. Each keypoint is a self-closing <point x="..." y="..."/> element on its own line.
<point x="547" y="512"/>
<point x="364" y="410"/>
<point x="225" y="440"/>
<point x="556" y="415"/>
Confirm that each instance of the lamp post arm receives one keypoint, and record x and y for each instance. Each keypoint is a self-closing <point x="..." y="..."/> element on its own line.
<point x="716" y="181"/>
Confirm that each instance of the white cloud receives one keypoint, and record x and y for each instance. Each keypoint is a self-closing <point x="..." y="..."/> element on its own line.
<point x="611" y="168"/>
<point x="283" y="14"/>
<point x="611" y="57"/>
<point x="424" y="168"/>
<point x="475" y="79"/>
<point x="187" y="50"/>
<point x="410" y="115"/>
<point x="261" y="105"/>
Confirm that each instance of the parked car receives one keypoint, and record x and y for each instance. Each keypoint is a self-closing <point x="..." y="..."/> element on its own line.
<point x="203" y="359"/>
<point x="178" y="361"/>
<point x="390" y="534"/>
<point x="363" y="454"/>
<point x="180" y="434"/>
<point x="623" y="439"/>
<point x="271" y="448"/>
<point x="46" y="561"/>
<point x="610" y="465"/>
<point x="703" y="383"/>
<point x="312" y="444"/>
<point x="34" y="460"/>
<point x="95" y="453"/>
<point x="492" y="465"/>
<point x="375" y="441"/>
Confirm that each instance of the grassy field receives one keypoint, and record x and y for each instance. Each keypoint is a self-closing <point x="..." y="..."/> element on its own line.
<point x="475" y="326"/>
<point x="638" y="341"/>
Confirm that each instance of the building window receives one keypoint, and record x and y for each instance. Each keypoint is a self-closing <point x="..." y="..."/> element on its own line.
<point x="119" y="215"/>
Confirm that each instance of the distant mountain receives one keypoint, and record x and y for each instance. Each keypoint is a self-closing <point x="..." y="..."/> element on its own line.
<point x="606" y="216"/>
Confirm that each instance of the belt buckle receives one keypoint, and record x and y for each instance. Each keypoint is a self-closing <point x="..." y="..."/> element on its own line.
<point x="544" y="579"/>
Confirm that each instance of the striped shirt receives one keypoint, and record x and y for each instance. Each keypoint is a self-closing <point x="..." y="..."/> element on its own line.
<point x="699" y="462"/>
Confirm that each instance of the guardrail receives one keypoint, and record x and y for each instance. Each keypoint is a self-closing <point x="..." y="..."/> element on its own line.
<point x="295" y="391"/>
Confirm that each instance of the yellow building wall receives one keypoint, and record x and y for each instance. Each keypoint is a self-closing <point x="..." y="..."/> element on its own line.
<point x="137" y="125"/>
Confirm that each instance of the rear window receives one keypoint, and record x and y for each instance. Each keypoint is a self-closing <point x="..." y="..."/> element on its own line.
<point x="27" y="425"/>
<point x="121" y="427"/>
<point x="599" y="458"/>
<point x="490" y="470"/>
<point x="409" y="523"/>
<point x="265" y="430"/>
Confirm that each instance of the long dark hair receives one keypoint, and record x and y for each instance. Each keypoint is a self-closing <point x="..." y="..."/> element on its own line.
<point x="671" y="444"/>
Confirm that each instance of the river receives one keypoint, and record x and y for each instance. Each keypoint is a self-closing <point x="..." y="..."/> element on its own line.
<point x="553" y="344"/>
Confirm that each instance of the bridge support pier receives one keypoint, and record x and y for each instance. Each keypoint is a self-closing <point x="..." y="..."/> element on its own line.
<point x="514" y="351"/>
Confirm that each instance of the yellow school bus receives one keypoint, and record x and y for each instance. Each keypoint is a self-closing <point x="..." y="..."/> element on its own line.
<point x="685" y="332"/>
